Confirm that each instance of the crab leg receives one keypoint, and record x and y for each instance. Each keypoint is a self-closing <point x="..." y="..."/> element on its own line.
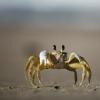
<point x="72" y="56"/>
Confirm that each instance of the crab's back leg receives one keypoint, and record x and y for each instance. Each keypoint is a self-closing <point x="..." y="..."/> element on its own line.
<point x="84" y="74"/>
<point x="75" y="76"/>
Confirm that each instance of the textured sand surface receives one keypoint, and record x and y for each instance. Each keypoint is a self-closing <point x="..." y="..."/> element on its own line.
<point x="50" y="92"/>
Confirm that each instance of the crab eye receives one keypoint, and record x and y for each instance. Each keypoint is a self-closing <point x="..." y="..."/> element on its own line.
<point x="54" y="47"/>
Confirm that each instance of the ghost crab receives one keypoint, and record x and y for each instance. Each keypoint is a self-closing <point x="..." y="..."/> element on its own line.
<point x="51" y="60"/>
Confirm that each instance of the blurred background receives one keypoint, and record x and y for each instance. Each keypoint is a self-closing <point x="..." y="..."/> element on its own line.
<point x="29" y="26"/>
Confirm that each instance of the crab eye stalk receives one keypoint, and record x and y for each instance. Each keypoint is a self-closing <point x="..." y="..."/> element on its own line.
<point x="54" y="47"/>
<point x="63" y="47"/>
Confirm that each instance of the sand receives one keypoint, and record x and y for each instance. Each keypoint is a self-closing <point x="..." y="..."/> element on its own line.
<point x="50" y="92"/>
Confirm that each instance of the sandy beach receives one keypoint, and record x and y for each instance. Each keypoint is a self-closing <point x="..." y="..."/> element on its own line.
<point x="23" y="34"/>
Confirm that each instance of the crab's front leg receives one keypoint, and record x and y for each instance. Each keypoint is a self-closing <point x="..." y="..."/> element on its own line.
<point x="39" y="78"/>
<point x="31" y="76"/>
<point x="72" y="56"/>
<point x="34" y="85"/>
<point x="38" y="70"/>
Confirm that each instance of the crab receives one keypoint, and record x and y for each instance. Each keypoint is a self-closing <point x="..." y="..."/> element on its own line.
<point x="53" y="60"/>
